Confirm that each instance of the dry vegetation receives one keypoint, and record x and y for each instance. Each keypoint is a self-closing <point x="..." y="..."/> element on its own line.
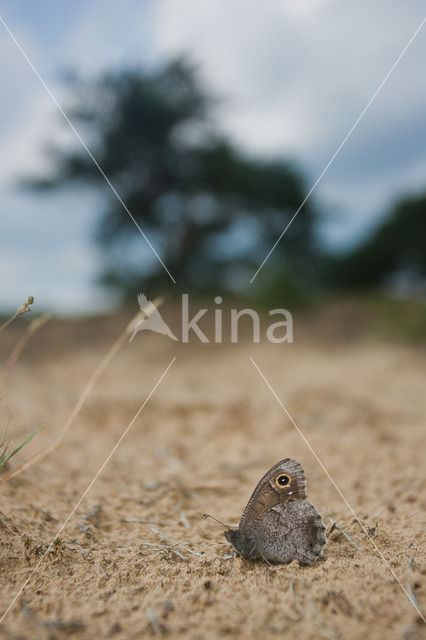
<point x="138" y="560"/>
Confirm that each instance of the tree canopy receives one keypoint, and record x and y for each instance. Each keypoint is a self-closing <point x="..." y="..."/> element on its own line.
<point x="398" y="243"/>
<point x="211" y="210"/>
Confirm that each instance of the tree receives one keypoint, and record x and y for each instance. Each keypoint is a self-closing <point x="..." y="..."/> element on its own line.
<point x="398" y="243"/>
<point x="206" y="206"/>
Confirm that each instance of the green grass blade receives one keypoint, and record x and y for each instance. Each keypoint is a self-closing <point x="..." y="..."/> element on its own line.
<point x="3" y="438"/>
<point x="30" y="437"/>
<point x="4" y="446"/>
<point x="3" y="453"/>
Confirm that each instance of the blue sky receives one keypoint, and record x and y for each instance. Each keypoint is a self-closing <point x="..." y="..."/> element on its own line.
<point x="295" y="76"/>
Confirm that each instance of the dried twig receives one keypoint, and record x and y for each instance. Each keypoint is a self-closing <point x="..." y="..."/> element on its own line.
<point x="293" y="595"/>
<point x="157" y="626"/>
<point x="158" y="547"/>
<point x="159" y="495"/>
<point x="141" y="520"/>
<point x="176" y="507"/>
<point x="184" y="520"/>
<point x="334" y="525"/>
<point x="412" y="596"/>
<point x="159" y="534"/>
<point x="308" y="597"/>
<point x="379" y="510"/>
<point x="112" y="351"/>
<point x="49" y="515"/>
<point x="341" y="602"/>
<point x="194" y="553"/>
<point x="410" y="591"/>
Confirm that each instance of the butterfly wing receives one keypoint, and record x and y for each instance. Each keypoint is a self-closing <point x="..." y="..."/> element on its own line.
<point x="283" y="482"/>
<point x="286" y="532"/>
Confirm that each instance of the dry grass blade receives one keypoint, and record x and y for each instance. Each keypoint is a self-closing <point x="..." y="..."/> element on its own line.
<point x="184" y="520"/>
<point x="24" y="309"/>
<point x="410" y="590"/>
<point x="194" y="553"/>
<point x="32" y="328"/>
<point x="112" y="351"/>
<point x="13" y="357"/>
<point x="138" y="520"/>
<point x="157" y="627"/>
<point x="412" y="595"/>
<point x="293" y="595"/>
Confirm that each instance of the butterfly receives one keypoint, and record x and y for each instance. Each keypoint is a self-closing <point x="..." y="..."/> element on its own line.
<point x="278" y="524"/>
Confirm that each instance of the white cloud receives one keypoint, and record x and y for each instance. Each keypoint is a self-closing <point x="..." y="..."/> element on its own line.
<point x="306" y="71"/>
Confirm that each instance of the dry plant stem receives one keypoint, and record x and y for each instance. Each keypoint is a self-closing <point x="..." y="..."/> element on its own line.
<point x="293" y="595"/>
<point x="32" y="328"/>
<point x="8" y="322"/>
<point x="25" y="307"/>
<point x="343" y="532"/>
<point x="115" y="347"/>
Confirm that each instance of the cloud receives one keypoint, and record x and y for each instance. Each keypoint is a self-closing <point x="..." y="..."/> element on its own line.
<point x="299" y="74"/>
<point x="46" y="251"/>
<point x="291" y="67"/>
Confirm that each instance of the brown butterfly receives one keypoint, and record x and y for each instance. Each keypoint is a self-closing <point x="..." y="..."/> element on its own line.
<point x="278" y="524"/>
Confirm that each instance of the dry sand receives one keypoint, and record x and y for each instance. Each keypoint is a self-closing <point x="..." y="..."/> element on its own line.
<point x="138" y="560"/>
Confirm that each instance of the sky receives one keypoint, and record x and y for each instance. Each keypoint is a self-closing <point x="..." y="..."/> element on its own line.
<point x="294" y="77"/>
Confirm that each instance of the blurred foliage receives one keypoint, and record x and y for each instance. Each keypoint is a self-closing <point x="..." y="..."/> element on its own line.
<point x="284" y="288"/>
<point x="209" y="209"/>
<point x="396" y="247"/>
<point x="398" y="320"/>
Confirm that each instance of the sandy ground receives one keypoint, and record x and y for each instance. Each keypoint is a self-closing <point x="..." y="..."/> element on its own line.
<point x="137" y="559"/>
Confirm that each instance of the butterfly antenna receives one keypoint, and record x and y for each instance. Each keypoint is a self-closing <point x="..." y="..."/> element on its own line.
<point x="207" y="515"/>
